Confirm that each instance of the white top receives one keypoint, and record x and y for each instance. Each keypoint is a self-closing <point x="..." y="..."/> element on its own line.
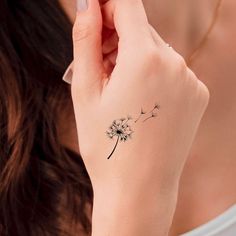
<point x="222" y="225"/>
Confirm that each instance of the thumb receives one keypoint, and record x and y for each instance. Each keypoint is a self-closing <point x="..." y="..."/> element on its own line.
<point x="87" y="41"/>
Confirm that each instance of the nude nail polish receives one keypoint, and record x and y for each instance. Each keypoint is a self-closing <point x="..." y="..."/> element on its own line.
<point x="82" y="5"/>
<point x="67" y="77"/>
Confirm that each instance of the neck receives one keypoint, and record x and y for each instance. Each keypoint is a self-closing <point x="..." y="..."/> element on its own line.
<point x="182" y="25"/>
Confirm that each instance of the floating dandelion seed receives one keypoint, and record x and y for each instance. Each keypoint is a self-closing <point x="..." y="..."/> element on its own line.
<point x="121" y="129"/>
<point x="153" y="115"/>
<point x="157" y="106"/>
<point x="141" y="113"/>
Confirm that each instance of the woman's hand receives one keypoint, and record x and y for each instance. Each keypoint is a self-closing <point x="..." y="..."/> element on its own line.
<point x="137" y="119"/>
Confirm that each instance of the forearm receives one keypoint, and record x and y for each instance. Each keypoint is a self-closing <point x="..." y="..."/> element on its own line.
<point x="127" y="214"/>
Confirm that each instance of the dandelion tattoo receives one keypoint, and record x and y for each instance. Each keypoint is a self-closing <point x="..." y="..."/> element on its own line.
<point x="141" y="113"/>
<point x="157" y="106"/>
<point x="121" y="128"/>
<point x="153" y="115"/>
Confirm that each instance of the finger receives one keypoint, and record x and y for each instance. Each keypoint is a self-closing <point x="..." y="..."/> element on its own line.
<point x="129" y="19"/>
<point x="108" y="14"/>
<point x="87" y="40"/>
<point x="110" y="61"/>
<point x="111" y="58"/>
<point x="110" y="44"/>
<point x="156" y="37"/>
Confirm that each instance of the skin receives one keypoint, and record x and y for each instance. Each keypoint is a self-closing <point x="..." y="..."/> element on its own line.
<point x="211" y="159"/>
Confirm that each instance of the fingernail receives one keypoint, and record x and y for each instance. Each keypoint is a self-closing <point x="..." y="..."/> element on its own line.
<point x="82" y="5"/>
<point x="67" y="77"/>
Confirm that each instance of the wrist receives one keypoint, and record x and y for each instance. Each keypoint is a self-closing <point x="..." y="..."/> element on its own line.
<point x="128" y="213"/>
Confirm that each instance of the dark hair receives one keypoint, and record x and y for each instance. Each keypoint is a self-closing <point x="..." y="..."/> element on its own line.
<point x="44" y="186"/>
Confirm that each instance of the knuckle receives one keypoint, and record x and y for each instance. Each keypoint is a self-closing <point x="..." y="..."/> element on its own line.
<point x="152" y="54"/>
<point x="85" y="27"/>
<point x="200" y="90"/>
<point x="151" y="58"/>
<point x="192" y="77"/>
<point x="181" y="66"/>
<point x="204" y="93"/>
<point x="80" y="32"/>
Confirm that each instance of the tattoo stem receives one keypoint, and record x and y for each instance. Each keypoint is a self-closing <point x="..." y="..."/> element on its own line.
<point x="141" y="113"/>
<point x="138" y="118"/>
<point x="114" y="147"/>
<point x="153" y="115"/>
<point x="147" y="118"/>
<point x="154" y="109"/>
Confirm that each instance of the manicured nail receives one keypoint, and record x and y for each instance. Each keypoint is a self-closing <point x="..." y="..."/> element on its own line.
<point x="67" y="77"/>
<point x="82" y="5"/>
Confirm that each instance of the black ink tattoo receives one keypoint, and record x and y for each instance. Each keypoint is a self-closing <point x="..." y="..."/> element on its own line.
<point x="157" y="106"/>
<point x="153" y="115"/>
<point x="122" y="130"/>
<point x="141" y="113"/>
